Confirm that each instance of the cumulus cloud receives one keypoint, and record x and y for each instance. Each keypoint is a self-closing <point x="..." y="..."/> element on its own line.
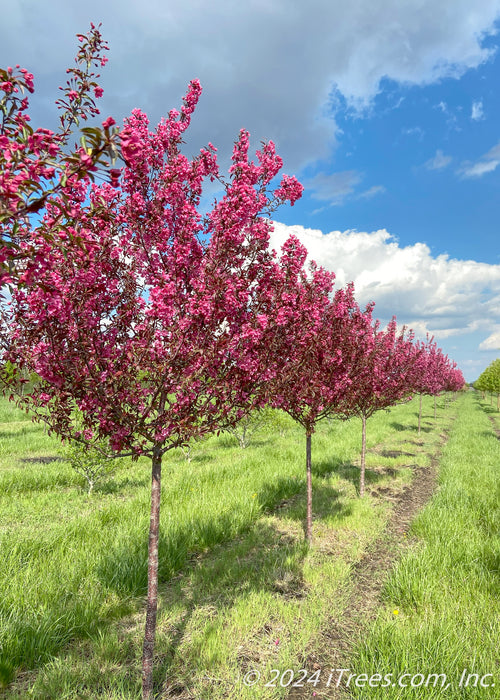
<point x="270" y="67"/>
<point x="437" y="295"/>
<point x="492" y="342"/>
<point x="439" y="161"/>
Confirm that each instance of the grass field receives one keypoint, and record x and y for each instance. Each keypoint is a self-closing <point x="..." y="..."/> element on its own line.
<point x="446" y="590"/>
<point x="240" y="591"/>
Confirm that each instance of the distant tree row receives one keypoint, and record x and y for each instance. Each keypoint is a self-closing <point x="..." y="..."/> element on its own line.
<point x="489" y="380"/>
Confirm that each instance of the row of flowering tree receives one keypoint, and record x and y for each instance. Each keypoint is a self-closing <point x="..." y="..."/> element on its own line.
<point x="337" y="361"/>
<point x="149" y="324"/>
<point x="435" y="373"/>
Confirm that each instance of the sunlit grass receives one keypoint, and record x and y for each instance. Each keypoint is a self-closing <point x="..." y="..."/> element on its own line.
<point x="239" y="588"/>
<point x="446" y="590"/>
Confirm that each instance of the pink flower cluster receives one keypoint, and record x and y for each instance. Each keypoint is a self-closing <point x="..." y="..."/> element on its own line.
<point x="36" y="165"/>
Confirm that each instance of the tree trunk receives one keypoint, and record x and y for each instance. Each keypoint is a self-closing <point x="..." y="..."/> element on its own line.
<point x="243" y="438"/>
<point x="309" y="489"/>
<point x="152" y="602"/>
<point x="435" y="401"/>
<point x="419" y="413"/>
<point x="363" y="456"/>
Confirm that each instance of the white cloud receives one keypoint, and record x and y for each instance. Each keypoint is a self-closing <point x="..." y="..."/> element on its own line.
<point x="493" y="153"/>
<point x="486" y="164"/>
<point x="439" y="161"/>
<point x="478" y="169"/>
<point x="271" y="67"/>
<point x="477" y="111"/>
<point x="492" y="342"/>
<point x="439" y="295"/>
<point x="415" y="131"/>
<point x="333" y="188"/>
<point x="371" y="192"/>
<point x="337" y="187"/>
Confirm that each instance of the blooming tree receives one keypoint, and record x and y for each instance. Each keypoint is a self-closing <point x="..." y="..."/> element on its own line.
<point x="147" y="319"/>
<point x="454" y="379"/>
<point x="38" y="164"/>
<point x="434" y="372"/>
<point x="382" y="375"/>
<point x="317" y="344"/>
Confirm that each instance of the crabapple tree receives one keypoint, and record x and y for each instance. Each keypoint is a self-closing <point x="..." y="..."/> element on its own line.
<point x="317" y="343"/>
<point x="381" y="377"/>
<point x="147" y="319"/>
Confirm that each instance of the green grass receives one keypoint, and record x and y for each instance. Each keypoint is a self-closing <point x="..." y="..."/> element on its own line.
<point x="446" y="590"/>
<point x="239" y="589"/>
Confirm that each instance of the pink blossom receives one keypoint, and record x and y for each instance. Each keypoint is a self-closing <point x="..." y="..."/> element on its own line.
<point x="108" y="123"/>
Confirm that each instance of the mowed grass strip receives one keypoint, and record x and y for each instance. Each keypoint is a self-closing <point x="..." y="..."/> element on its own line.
<point x="442" y="601"/>
<point x="240" y="589"/>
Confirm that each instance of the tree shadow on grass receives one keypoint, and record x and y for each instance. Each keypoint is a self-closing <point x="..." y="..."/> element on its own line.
<point x="195" y="609"/>
<point x="490" y="409"/>
<point x="266" y="555"/>
<point x="396" y="453"/>
<point x="492" y="435"/>
<point x="111" y="487"/>
<point x="221" y="562"/>
<point x="124" y="568"/>
<point x="350" y="472"/>
<point x="200" y="458"/>
<point x="201" y="590"/>
<point x="326" y="502"/>
<point x="399" y="427"/>
<point x="267" y="559"/>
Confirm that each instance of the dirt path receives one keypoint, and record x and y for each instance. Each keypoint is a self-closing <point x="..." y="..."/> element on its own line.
<point x="334" y="644"/>
<point x="493" y="423"/>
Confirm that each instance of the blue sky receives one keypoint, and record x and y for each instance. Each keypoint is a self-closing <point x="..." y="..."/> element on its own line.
<point x="388" y="113"/>
<point x="409" y="163"/>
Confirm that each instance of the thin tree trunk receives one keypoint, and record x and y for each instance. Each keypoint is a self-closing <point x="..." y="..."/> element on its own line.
<point x="309" y="489"/>
<point x="419" y="413"/>
<point x="152" y="602"/>
<point x="363" y="456"/>
<point x="435" y="400"/>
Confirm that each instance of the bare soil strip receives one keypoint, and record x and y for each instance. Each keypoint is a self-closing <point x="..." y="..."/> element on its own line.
<point x="332" y="647"/>
<point x="497" y="430"/>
